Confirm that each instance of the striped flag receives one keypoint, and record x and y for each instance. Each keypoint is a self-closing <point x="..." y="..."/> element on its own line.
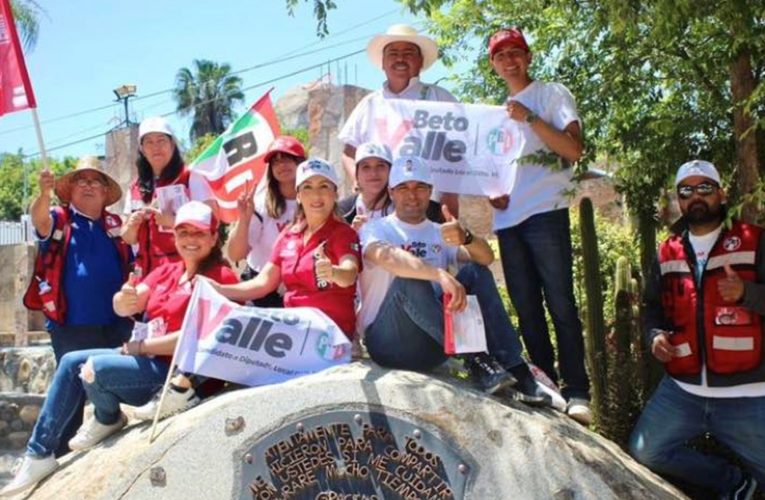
<point x="235" y="159"/>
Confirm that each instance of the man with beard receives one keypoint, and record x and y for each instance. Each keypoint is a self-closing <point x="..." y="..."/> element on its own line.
<point x="704" y="307"/>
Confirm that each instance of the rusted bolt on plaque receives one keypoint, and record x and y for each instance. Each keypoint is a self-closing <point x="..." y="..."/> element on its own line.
<point x="353" y="455"/>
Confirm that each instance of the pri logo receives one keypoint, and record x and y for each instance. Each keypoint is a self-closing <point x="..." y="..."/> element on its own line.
<point x="326" y="350"/>
<point x="732" y="243"/>
<point x="499" y="141"/>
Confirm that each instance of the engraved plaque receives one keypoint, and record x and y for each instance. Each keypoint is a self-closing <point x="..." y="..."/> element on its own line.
<point x="360" y="455"/>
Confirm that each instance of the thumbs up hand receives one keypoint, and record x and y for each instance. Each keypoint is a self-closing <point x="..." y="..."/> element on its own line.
<point x="452" y="231"/>
<point x="126" y="300"/>
<point x="322" y="265"/>
<point x="732" y="287"/>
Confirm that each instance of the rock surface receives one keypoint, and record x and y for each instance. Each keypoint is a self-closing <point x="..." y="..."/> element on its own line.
<point x="26" y="369"/>
<point x="510" y="450"/>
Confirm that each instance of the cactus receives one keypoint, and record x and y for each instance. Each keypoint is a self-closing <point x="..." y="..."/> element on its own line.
<point x="595" y="324"/>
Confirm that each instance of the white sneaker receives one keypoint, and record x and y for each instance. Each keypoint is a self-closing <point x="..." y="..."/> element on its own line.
<point x="579" y="410"/>
<point x="175" y="402"/>
<point x="93" y="432"/>
<point x="31" y="471"/>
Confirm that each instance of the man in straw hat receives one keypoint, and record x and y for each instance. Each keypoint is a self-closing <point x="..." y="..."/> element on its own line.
<point x="75" y="290"/>
<point x="81" y="261"/>
<point x="402" y="54"/>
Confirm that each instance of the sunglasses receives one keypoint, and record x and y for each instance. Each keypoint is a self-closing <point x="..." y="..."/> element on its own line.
<point x="703" y="189"/>
<point x="82" y="182"/>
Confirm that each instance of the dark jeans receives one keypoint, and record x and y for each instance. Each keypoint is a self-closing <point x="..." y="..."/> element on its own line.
<point x="65" y="339"/>
<point x="674" y="416"/>
<point x="408" y="331"/>
<point x="537" y="258"/>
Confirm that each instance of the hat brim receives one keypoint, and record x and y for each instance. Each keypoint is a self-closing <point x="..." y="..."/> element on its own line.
<point x="428" y="48"/>
<point x="63" y="187"/>
<point x="196" y="224"/>
<point x="318" y="174"/>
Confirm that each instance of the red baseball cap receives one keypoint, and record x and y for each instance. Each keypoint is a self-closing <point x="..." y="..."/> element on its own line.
<point x="285" y="144"/>
<point x="507" y="37"/>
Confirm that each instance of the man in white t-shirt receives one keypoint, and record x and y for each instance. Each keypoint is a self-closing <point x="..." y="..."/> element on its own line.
<point x="406" y="261"/>
<point x="402" y="54"/>
<point x="704" y="307"/>
<point x="532" y="221"/>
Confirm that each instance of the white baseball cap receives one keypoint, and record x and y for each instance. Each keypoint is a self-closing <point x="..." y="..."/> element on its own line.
<point x="409" y="168"/>
<point x="197" y="214"/>
<point x="373" y="150"/>
<point x="315" y="166"/>
<point x="697" y="168"/>
<point x="155" y="124"/>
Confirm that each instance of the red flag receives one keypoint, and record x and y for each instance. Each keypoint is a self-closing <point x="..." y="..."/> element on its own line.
<point x="235" y="159"/>
<point x="15" y="88"/>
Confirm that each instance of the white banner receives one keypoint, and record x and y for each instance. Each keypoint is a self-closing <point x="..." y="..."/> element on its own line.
<point x="469" y="147"/>
<point x="253" y="345"/>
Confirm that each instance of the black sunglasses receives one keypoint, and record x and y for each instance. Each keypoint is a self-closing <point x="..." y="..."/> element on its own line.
<point x="703" y="189"/>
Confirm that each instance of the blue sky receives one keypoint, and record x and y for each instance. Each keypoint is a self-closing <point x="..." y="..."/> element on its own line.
<point x="87" y="48"/>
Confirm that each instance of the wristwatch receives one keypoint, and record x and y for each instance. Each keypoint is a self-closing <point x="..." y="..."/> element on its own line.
<point x="468" y="237"/>
<point x="531" y="117"/>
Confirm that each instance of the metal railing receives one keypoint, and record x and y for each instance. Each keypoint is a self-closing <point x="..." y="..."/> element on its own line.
<point x="13" y="232"/>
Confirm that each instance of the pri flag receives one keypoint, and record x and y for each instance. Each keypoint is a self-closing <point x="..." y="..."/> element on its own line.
<point x="15" y="88"/>
<point x="253" y="345"/>
<point x="235" y="159"/>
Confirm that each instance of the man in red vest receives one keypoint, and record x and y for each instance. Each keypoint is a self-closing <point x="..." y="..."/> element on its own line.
<point x="704" y="308"/>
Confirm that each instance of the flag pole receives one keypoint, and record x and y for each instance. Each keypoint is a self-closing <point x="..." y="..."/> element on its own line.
<point x="169" y="377"/>
<point x="192" y="302"/>
<point x="40" y="142"/>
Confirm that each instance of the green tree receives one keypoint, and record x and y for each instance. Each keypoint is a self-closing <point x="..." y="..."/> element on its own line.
<point x="13" y="169"/>
<point x="27" y="16"/>
<point x="209" y="94"/>
<point x="320" y="10"/>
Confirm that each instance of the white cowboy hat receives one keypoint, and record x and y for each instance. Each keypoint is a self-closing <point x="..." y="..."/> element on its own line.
<point x="402" y="33"/>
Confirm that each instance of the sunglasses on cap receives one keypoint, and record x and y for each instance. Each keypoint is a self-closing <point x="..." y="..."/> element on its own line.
<point x="703" y="189"/>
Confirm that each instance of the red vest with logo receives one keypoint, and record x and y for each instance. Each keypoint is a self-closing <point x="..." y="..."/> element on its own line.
<point x="45" y="291"/>
<point x="156" y="246"/>
<point x="707" y="329"/>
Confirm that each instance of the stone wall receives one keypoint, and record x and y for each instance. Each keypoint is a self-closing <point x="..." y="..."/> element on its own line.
<point x="322" y="110"/>
<point x="18" y="413"/>
<point x="119" y="162"/>
<point x="27" y="370"/>
<point x="17" y="262"/>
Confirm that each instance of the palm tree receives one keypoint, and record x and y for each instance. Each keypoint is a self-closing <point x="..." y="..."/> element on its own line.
<point x="26" y="13"/>
<point x="209" y="94"/>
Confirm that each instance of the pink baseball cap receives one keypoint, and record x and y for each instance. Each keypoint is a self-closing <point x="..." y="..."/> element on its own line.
<point x="197" y="214"/>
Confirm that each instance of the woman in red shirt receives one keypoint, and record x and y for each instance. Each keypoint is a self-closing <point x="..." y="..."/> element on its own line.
<point x="134" y="373"/>
<point x="317" y="257"/>
<point x="150" y="215"/>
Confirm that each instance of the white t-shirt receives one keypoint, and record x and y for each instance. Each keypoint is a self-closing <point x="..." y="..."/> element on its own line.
<point x="362" y="209"/>
<point x="538" y="188"/>
<point x="355" y="130"/>
<point x="262" y="234"/>
<point x="422" y="240"/>
<point x="702" y="245"/>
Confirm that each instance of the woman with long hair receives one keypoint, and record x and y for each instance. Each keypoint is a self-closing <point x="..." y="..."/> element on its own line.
<point x="134" y="373"/>
<point x="373" y="161"/>
<point x="317" y="258"/>
<point x="163" y="183"/>
<point x="264" y="214"/>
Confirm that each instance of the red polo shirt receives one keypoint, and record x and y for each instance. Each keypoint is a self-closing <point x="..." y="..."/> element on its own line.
<point x="169" y="299"/>
<point x="296" y="263"/>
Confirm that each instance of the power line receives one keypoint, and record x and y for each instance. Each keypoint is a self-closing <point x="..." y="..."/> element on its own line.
<point x="288" y="56"/>
<point x="259" y="84"/>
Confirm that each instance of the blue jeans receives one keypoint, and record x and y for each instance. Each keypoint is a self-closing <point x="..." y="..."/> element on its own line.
<point x="66" y="339"/>
<point x="536" y="259"/>
<point x="673" y="416"/>
<point x="408" y="331"/>
<point x="118" y="379"/>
